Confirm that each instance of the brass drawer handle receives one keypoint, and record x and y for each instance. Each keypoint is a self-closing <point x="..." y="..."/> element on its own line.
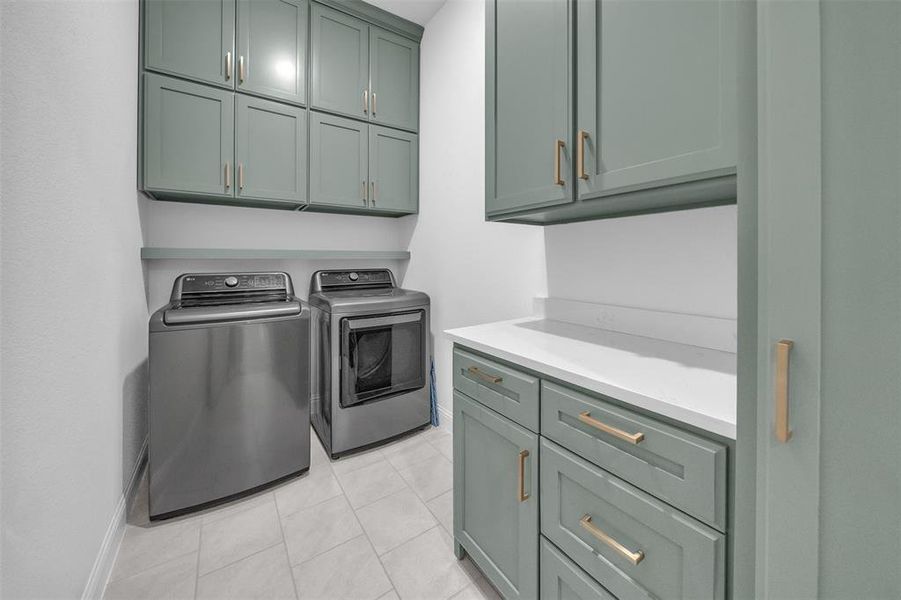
<point x="365" y="101"/>
<point x="241" y="69"/>
<point x="373" y="104"/>
<point x="633" y="557"/>
<point x="523" y="455"/>
<point x="228" y="65"/>
<point x="783" y="349"/>
<point x="228" y="176"/>
<point x="632" y="438"/>
<point x="485" y="376"/>
<point x="558" y="176"/>
<point x="240" y="176"/>
<point x="583" y="135"/>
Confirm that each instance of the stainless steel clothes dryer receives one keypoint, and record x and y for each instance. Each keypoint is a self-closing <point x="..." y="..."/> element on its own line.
<point x="370" y="371"/>
<point x="229" y="389"/>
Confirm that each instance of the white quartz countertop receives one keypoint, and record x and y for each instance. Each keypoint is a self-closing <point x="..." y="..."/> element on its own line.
<point x="690" y="384"/>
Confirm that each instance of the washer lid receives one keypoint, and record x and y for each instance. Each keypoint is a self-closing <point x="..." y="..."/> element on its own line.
<point x="368" y="301"/>
<point x="224" y="313"/>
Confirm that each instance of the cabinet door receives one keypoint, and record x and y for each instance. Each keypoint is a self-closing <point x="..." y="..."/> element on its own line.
<point x="562" y="579"/>
<point x="339" y="161"/>
<point x="496" y="497"/>
<point x="340" y="63"/>
<point x="270" y="150"/>
<point x="393" y="169"/>
<point x="528" y="118"/>
<point x="272" y="48"/>
<point x="188" y="137"/>
<point x="656" y="93"/>
<point x="193" y="38"/>
<point x="394" y="69"/>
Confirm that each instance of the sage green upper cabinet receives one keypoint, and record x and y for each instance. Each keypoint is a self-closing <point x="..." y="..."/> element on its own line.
<point x="528" y="120"/>
<point x="656" y="89"/>
<point x="270" y="150"/>
<point x="191" y="38"/>
<point x="339" y="162"/>
<point x="394" y="71"/>
<point x="188" y="137"/>
<point x="340" y="63"/>
<point x="496" y="497"/>
<point x="393" y="172"/>
<point x="272" y="48"/>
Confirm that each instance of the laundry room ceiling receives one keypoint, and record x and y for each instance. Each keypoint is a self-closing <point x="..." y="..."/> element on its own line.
<point x="418" y="11"/>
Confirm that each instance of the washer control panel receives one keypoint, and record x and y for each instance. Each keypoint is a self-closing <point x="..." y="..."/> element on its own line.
<point x="213" y="282"/>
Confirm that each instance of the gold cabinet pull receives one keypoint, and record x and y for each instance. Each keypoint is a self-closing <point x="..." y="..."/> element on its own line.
<point x="373" y="104"/>
<point x="228" y="176"/>
<point x="632" y="438"/>
<point x="372" y="183"/>
<point x="522" y="495"/>
<point x="633" y="557"/>
<point x="583" y="135"/>
<point x="240" y="176"/>
<point x="783" y="350"/>
<point x="558" y="175"/>
<point x="228" y="65"/>
<point x="364" y="194"/>
<point x="365" y="101"/>
<point x="485" y="376"/>
<point x="241" y="69"/>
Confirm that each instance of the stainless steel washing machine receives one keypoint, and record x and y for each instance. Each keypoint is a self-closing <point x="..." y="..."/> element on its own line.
<point x="370" y="359"/>
<point x="229" y="389"/>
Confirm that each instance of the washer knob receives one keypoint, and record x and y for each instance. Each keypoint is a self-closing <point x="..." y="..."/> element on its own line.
<point x="353" y="276"/>
<point x="231" y="281"/>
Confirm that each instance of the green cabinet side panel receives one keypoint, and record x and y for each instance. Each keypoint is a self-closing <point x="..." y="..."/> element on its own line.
<point x="496" y="529"/>
<point x="683" y="559"/>
<point x="393" y="169"/>
<point x="190" y="38"/>
<point x="528" y="104"/>
<point x="339" y="62"/>
<point x="656" y="92"/>
<point x="394" y="69"/>
<point x="562" y="579"/>
<point x="188" y="137"/>
<point x="272" y="48"/>
<point x="339" y="161"/>
<point x="270" y="150"/>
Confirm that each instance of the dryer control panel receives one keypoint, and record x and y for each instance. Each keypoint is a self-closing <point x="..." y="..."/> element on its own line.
<point x="332" y="280"/>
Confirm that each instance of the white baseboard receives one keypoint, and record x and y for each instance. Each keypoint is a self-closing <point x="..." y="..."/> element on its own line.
<point x="447" y="418"/>
<point x="109" y="549"/>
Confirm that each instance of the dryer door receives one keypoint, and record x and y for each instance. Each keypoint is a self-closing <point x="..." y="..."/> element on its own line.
<point x="382" y="356"/>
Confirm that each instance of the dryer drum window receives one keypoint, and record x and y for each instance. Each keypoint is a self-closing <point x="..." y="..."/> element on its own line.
<point x="381" y="356"/>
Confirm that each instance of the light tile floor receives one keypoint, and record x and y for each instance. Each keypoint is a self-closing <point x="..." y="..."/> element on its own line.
<point x="373" y="526"/>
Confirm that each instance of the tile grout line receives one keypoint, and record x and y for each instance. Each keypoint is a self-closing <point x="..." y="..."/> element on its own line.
<point x="368" y="539"/>
<point x="284" y="542"/>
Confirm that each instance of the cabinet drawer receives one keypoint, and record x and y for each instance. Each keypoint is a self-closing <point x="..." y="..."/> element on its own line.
<point x="683" y="469"/>
<point x="562" y="579"/>
<point x="630" y="542"/>
<point x="502" y="389"/>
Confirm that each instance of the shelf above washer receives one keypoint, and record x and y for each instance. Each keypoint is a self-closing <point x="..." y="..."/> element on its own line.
<point x="158" y="253"/>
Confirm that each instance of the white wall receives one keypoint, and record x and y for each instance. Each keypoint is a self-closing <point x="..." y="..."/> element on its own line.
<point x="474" y="271"/>
<point x="679" y="262"/>
<point x="176" y="224"/>
<point x="73" y="310"/>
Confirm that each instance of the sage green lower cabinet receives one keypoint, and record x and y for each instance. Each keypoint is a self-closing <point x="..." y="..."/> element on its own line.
<point x="188" y="137"/>
<point x="562" y="579"/>
<point x="632" y="506"/>
<point x="339" y="162"/>
<point x="393" y="169"/>
<point x="496" y="497"/>
<point x="637" y="546"/>
<point x="272" y="48"/>
<point x="270" y="151"/>
<point x="191" y="38"/>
